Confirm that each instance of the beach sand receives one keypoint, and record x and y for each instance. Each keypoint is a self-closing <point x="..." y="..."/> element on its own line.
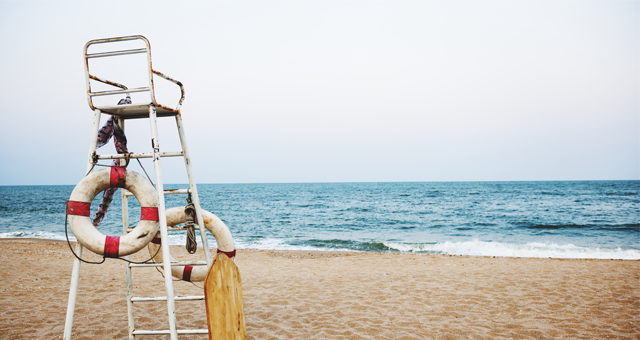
<point x="333" y="295"/>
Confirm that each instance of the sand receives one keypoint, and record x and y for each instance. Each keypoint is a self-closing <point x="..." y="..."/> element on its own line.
<point x="334" y="295"/>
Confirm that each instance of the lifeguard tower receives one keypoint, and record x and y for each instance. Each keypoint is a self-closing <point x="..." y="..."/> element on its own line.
<point x="141" y="107"/>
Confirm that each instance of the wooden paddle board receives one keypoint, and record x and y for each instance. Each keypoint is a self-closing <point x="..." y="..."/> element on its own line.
<point x="223" y="297"/>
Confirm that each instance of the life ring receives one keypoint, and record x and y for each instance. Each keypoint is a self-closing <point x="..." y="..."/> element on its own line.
<point x="79" y="206"/>
<point x="215" y="226"/>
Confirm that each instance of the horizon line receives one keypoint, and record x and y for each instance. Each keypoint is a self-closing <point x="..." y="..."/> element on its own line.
<point x="346" y="182"/>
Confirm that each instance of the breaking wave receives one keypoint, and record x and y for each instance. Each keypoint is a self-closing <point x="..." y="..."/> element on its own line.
<point x="534" y="249"/>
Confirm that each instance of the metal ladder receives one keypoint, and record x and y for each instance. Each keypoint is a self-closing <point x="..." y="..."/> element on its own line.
<point x="151" y="110"/>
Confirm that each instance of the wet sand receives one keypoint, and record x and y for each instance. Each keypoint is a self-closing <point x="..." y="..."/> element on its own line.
<point x="333" y="295"/>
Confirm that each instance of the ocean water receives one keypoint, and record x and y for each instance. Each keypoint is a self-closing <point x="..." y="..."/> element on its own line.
<point x="564" y="219"/>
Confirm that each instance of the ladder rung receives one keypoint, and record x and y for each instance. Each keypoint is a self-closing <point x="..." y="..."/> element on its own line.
<point x="166" y="331"/>
<point x="164" y="298"/>
<point x="173" y="264"/>
<point x="178" y="228"/>
<point x="140" y="155"/>
<point x="168" y="192"/>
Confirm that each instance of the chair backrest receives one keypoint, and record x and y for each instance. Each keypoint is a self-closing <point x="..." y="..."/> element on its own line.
<point x="122" y="88"/>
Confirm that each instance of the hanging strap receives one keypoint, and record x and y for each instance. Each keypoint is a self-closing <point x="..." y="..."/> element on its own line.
<point x="111" y="129"/>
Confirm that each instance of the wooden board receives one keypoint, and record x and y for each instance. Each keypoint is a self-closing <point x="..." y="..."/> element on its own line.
<point x="223" y="297"/>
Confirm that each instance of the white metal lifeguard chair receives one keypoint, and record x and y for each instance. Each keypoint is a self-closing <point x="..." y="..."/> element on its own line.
<point x="141" y="107"/>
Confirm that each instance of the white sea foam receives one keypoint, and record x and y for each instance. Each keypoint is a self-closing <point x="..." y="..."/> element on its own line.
<point x="272" y="244"/>
<point x="475" y="247"/>
<point x="37" y="234"/>
<point x="263" y="244"/>
<point x="480" y="248"/>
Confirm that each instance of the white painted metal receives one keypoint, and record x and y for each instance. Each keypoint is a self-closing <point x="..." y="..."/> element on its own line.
<point x="180" y="331"/>
<point x="140" y="155"/>
<point x="127" y="270"/>
<point x="169" y="228"/>
<point x="182" y="227"/>
<point x="93" y="143"/>
<point x="166" y="258"/>
<point x="134" y="110"/>
<point x="194" y="190"/>
<point x="109" y="54"/>
<point x="164" y="298"/>
<point x="75" y="272"/>
<point x="170" y="192"/>
<point x="127" y="91"/>
<point x="177" y="264"/>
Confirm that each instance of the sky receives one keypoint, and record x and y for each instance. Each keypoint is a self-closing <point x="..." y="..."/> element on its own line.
<point x="337" y="91"/>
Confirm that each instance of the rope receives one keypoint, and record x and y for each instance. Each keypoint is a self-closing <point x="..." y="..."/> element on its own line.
<point x="174" y="279"/>
<point x="190" y="212"/>
<point x="126" y="158"/>
<point x="192" y="244"/>
<point x="66" y="216"/>
<point x="145" y="171"/>
<point x="66" y="234"/>
<point x="88" y="172"/>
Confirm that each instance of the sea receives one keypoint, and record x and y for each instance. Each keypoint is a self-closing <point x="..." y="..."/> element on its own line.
<point x="543" y="219"/>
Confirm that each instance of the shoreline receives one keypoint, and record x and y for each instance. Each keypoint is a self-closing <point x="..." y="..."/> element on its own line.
<point x="334" y="295"/>
<point x="54" y="241"/>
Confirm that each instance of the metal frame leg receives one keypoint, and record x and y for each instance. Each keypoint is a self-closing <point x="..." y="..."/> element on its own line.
<point x="194" y="190"/>
<point x="166" y="256"/>
<point x="75" y="273"/>
<point x="127" y="269"/>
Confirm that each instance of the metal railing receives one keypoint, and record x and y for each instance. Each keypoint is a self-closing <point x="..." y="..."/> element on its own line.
<point x="124" y="90"/>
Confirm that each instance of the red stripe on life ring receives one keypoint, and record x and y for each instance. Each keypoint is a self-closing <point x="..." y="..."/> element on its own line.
<point x="149" y="214"/>
<point x="117" y="178"/>
<point x="78" y="208"/>
<point x="112" y="246"/>
<point x="229" y="254"/>
<point x="186" y="274"/>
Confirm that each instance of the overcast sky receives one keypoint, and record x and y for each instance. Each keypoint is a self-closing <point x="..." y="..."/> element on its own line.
<point x="339" y="91"/>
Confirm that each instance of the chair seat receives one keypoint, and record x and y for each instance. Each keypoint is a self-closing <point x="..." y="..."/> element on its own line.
<point x="133" y="111"/>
